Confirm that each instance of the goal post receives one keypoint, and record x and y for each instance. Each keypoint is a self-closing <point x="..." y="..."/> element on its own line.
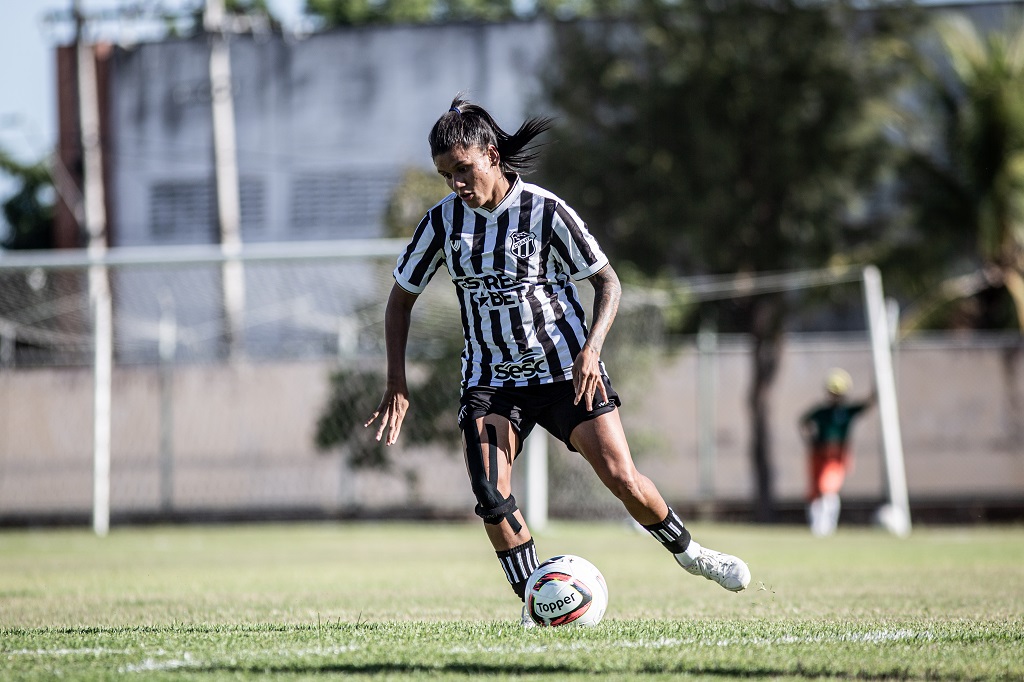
<point x="895" y="515"/>
<point x="535" y="503"/>
<point x="103" y="377"/>
<point x="898" y="514"/>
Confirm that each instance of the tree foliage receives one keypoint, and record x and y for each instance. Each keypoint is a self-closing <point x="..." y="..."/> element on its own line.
<point x="729" y="137"/>
<point x="723" y="137"/>
<point x="28" y="212"/>
<point x="965" y="175"/>
<point x="358" y="12"/>
<point x="355" y="392"/>
<point x="417" y="191"/>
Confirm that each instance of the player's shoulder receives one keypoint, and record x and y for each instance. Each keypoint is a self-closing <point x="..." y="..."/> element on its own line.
<point x="820" y="411"/>
<point x="544" y="192"/>
<point x="442" y="208"/>
<point x="445" y="203"/>
<point x="564" y="212"/>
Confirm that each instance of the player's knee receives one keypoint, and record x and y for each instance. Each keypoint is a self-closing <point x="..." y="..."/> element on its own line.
<point x="625" y="484"/>
<point x="495" y="510"/>
<point x="493" y="506"/>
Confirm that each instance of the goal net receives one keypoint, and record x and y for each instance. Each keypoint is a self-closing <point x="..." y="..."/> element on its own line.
<point x="238" y="387"/>
<point x="214" y="404"/>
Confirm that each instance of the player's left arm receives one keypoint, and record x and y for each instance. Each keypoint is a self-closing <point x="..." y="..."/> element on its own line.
<point x="586" y="369"/>
<point x="870" y="401"/>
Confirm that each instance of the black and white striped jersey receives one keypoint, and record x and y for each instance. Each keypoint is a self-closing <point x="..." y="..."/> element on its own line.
<point x="513" y="269"/>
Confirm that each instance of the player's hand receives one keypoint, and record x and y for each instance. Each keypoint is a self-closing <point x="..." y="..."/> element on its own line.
<point x="587" y="379"/>
<point x="391" y="411"/>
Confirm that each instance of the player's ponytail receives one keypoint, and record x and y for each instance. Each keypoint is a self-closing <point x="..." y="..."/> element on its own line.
<point x="469" y="125"/>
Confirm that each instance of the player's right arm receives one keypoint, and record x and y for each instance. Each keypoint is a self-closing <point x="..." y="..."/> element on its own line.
<point x="807" y="427"/>
<point x="395" y="403"/>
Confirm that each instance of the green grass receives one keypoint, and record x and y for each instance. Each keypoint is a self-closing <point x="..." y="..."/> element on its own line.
<point x="406" y="601"/>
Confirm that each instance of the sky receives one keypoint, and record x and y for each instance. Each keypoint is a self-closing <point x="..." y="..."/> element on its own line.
<point x="28" y="98"/>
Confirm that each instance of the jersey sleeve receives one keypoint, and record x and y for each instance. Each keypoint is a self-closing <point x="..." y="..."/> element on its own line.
<point x="423" y="255"/>
<point x="857" y="408"/>
<point x="576" y="247"/>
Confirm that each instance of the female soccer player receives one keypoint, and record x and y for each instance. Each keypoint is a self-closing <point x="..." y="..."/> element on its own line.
<point x="514" y="251"/>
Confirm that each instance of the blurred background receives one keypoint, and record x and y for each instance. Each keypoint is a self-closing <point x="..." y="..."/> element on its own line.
<point x="203" y="203"/>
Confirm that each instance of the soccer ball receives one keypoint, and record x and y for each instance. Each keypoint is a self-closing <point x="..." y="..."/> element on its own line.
<point x="565" y="590"/>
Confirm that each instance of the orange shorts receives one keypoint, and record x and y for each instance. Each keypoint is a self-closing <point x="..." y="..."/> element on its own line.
<point x="829" y="465"/>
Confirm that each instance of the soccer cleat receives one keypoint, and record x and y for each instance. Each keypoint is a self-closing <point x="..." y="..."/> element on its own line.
<point x="728" y="571"/>
<point x="526" y="621"/>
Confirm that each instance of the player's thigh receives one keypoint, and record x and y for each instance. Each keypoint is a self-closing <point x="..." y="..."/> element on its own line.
<point x="490" y="445"/>
<point x="602" y="442"/>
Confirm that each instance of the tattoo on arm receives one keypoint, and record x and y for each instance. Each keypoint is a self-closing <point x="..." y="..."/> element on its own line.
<point x="607" y="292"/>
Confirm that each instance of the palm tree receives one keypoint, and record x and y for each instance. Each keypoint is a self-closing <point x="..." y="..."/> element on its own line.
<point x="971" y="181"/>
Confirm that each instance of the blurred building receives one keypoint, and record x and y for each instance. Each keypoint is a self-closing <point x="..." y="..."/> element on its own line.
<point x="324" y="126"/>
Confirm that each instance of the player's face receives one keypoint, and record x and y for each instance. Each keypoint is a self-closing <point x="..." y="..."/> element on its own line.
<point x="474" y="174"/>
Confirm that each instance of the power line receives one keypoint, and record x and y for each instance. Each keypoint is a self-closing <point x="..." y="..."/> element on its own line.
<point x="719" y="287"/>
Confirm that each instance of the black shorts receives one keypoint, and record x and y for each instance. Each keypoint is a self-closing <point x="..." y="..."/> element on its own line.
<point x="550" y="405"/>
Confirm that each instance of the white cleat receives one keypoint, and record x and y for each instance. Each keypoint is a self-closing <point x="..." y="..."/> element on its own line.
<point x="728" y="571"/>
<point x="527" y="622"/>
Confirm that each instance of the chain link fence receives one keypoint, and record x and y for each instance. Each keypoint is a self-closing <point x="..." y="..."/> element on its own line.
<point x="246" y="411"/>
<point x="252" y="406"/>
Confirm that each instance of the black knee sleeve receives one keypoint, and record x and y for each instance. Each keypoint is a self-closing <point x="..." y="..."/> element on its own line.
<point x="491" y="506"/>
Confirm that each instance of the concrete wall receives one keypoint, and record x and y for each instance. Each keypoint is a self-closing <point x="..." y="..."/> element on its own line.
<point x="961" y="416"/>
<point x="242" y="436"/>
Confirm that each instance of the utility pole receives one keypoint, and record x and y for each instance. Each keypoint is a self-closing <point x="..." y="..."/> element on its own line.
<point x="94" y="211"/>
<point x="225" y="158"/>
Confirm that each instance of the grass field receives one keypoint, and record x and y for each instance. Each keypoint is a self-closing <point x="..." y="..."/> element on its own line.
<point x="408" y="601"/>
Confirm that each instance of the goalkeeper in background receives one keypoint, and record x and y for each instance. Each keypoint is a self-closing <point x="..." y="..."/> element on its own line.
<point x="826" y="430"/>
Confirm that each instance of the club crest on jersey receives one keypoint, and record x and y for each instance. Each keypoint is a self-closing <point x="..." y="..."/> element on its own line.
<point x="456" y="244"/>
<point x="522" y="244"/>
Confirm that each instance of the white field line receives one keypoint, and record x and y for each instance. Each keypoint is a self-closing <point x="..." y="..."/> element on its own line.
<point x="189" y="661"/>
<point x="153" y="665"/>
<point x="65" y="652"/>
<point x="876" y="637"/>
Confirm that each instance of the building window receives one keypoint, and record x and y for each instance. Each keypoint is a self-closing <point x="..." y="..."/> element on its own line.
<point x="252" y="198"/>
<point x="182" y="211"/>
<point x="185" y="211"/>
<point x="339" y="204"/>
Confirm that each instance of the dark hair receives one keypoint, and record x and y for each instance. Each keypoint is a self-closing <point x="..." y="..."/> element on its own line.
<point x="469" y="125"/>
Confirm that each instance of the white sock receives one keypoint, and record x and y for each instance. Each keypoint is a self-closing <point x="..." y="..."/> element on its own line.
<point x="832" y="506"/>
<point x="816" y="516"/>
<point x="687" y="557"/>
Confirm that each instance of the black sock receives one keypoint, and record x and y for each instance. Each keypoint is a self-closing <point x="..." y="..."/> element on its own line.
<point x="519" y="563"/>
<point x="670" y="533"/>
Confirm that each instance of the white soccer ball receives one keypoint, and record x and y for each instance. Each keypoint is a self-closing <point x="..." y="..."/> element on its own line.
<point x="566" y="590"/>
